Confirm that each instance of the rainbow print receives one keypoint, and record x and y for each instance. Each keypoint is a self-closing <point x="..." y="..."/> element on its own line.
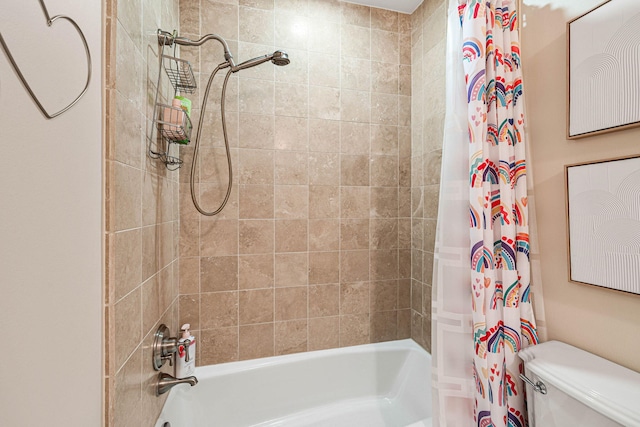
<point x="498" y="211"/>
<point x="516" y="419"/>
<point x="529" y="331"/>
<point x="522" y="243"/>
<point x="490" y="172"/>
<point x="508" y="254"/>
<point x="506" y="171"/>
<point x="476" y="88"/>
<point x="511" y="339"/>
<point x="497" y="297"/>
<point x="512" y="295"/>
<point x="492" y="134"/>
<point x="481" y="257"/>
<point x="472" y="49"/>
<point x="484" y="419"/>
<point x="505" y="132"/>
<point x="474" y="218"/>
<point x="479" y="384"/>
<point x="526" y="295"/>
<point x="512" y="387"/>
<point x="499" y="245"/>
<point x="520" y="169"/>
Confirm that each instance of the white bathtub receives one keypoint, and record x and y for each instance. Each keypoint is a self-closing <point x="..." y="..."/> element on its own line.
<point x="373" y="385"/>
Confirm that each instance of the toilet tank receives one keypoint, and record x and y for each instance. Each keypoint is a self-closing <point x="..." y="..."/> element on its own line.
<point x="582" y="389"/>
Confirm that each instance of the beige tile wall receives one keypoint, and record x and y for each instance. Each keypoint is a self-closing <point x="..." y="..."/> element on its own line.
<point x="327" y="240"/>
<point x="313" y="250"/>
<point x="142" y="211"/>
<point x="428" y="50"/>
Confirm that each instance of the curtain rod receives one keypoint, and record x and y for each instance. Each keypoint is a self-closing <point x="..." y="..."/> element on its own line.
<point x="520" y="15"/>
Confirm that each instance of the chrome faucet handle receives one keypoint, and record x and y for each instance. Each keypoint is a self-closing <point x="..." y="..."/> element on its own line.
<point x="164" y="347"/>
<point x="168" y="358"/>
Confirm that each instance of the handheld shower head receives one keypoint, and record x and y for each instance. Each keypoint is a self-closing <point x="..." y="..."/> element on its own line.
<point x="278" y="57"/>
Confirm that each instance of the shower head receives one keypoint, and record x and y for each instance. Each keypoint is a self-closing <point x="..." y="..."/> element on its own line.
<point x="278" y="57"/>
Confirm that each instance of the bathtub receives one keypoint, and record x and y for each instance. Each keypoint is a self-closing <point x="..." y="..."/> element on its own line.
<point x="372" y="385"/>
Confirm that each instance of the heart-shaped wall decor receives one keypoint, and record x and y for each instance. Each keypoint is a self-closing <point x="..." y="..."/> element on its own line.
<point x="50" y="22"/>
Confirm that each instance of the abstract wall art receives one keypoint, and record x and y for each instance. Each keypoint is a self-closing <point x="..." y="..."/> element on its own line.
<point x="603" y="210"/>
<point x="603" y="69"/>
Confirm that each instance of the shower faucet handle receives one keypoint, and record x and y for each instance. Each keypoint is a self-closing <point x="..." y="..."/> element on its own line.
<point x="164" y="347"/>
<point x="169" y="358"/>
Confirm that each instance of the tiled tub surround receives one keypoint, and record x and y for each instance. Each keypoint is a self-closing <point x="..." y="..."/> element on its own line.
<point x="428" y="47"/>
<point x="326" y="240"/>
<point x="142" y="212"/>
<point x="313" y="250"/>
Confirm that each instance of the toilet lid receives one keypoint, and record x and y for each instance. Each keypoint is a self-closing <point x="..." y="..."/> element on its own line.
<point x="608" y="388"/>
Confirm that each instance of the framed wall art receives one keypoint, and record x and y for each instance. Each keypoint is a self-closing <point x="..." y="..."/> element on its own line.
<point x="603" y="69"/>
<point x="603" y="210"/>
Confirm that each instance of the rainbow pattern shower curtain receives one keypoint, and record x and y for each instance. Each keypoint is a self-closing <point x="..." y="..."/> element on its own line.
<point x="503" y="318"/>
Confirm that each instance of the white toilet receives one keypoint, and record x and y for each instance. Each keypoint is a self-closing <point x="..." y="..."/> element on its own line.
<point x="582" y="389"/>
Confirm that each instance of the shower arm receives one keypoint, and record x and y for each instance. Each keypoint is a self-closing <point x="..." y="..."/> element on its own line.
<point x="166" y="38"/>
<point x="279" y="58"/>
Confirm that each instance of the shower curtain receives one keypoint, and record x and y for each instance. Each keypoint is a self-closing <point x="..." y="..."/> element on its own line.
<point x="482" y="249"/>
<point x="451" y="318"/>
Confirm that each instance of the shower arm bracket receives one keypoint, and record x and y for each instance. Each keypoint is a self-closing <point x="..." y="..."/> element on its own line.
<point x="168" y="39"/>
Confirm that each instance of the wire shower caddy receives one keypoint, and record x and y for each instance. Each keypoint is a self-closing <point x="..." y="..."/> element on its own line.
<point x="169" y="134"/>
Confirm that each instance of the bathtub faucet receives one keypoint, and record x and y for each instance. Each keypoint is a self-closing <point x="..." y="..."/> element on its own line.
<point x="166" y="382"/>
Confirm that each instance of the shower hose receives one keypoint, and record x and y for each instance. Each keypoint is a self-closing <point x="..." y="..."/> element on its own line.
<point x="226" y="141"/>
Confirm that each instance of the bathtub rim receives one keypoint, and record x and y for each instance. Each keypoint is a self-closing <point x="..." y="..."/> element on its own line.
<point x="209" y="371"/>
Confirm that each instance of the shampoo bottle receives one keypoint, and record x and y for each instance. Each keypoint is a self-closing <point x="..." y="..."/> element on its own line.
<point x="174" y="119"/>
<point x="185" y="104"/>
<point x="186" y="364"/>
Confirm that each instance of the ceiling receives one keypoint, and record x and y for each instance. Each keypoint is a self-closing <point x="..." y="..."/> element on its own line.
<point x="404" y="6"/>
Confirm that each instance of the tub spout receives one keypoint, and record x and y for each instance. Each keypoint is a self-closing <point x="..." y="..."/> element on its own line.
<point x="166" y="382"/>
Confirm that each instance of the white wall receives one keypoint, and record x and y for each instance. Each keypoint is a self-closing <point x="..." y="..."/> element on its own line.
<point x="50" y="221"/>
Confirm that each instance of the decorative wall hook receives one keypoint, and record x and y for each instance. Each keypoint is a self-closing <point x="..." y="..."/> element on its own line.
<point x="50" y="22"/>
